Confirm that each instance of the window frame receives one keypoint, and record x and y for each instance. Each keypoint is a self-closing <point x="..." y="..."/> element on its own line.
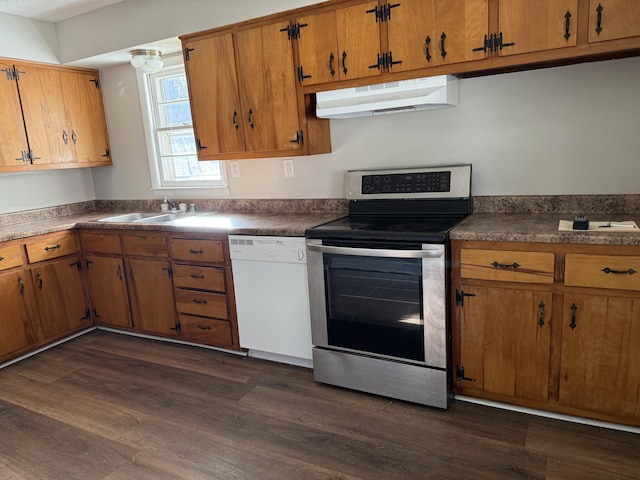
<point x="196" y="188"/>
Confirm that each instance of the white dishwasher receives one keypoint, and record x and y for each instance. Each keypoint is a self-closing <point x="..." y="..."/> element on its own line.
<point x="272" y="298"/>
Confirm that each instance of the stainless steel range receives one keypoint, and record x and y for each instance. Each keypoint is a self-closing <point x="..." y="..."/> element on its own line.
<point x="378" y="283"/>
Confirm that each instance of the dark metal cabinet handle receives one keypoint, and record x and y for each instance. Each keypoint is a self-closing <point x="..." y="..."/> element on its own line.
<point x="541" y="306"/>
<point x="443" y="52"/>
<point x="65" y="137"/>
<point x="21" y="285"/>
<point x="119" y="272"/>
<point x="574" y="309"/>
<point x="344" y="62"/>
<point x="251" y="124"/>
<point x="599" y="21"/>
<point x="199" y="302"/>
<point x="331" y="69"/>
<point x="74" y="137"/>
<point x="567" y="25"/>
<point x="46" y="249"/>
<point x="39" y="278"/>
<point x="235" y="120"/>
<point x="513" y="265"/>
<point x="204" y="327"/>
<point x="427" y="42"/>
<point x="198" y="277"/>
<point x="631" y="271"/>
<point x="1" y="258"/>
<point x="198" y="252"/>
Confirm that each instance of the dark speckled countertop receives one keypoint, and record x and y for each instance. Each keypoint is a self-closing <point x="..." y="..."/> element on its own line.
<point x="541" y="227"/>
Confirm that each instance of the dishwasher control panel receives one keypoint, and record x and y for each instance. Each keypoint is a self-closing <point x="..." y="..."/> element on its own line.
<point x="268" y="249"/>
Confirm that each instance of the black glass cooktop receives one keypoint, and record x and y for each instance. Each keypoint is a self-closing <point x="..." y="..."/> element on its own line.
<point x="426" y="229"/>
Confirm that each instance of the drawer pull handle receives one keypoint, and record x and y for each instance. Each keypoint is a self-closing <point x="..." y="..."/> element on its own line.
<point x="513" y="265"/>
<point x="199" y="277"/>
<point x="541" y="306"/>
<point x="199" y="302"/>
<point x="204" y="327"/>
<point x="198" y="252"/>
<point x="574" y="309"/>
<point x="631" y="271"/>
<point x="46" y="249"/>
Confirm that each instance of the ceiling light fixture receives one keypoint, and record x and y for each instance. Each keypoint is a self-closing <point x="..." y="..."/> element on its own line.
<point x="147" y="61"/>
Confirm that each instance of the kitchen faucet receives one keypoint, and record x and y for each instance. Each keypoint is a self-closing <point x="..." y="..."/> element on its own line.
<point x="173" y="206"/>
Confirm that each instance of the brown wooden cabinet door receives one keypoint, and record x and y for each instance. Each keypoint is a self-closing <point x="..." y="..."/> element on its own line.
<point x="461" y="26"/>
<point x="16" y="328"/>
<point x="411" y="34"/>
<point x="85" y="116"/>
<point x="41" y="94"/>
<point x="536" y="26"/>
<point x="358" y="41"/>
<point x="108" y="287"/>
<point x="505" y="341"/>
<point x="218" y="118"/>
<point x="318" y="48"/>
<point x="13" y="140"/>
<point x="600" y="358"/>
<point x="151" y="295"/>
<point x="613" y="19"/>
<point x="60" y="296"/>
<point x="267" y="89"/>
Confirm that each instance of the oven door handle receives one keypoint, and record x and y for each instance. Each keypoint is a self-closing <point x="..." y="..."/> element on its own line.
<point x="435" y="251"/>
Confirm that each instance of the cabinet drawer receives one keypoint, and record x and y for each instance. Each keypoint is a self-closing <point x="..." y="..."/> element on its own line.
<point x="200" y="278"/>
<point x="148" y="245"/>
<point x="10" y="257"/>
<point x="602" y="271"/>
<point x="209" y="251"/>
<point x="101" y="243"/>
<point x="52" y="246"/>
<point x="205" y="330"/>
<point x="507" y="266"/>
<point x="201" y="303"/>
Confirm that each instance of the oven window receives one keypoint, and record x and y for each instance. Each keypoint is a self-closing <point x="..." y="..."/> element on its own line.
<point x="375" y="305"/>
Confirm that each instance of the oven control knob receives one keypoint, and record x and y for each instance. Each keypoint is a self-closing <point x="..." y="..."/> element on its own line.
<point x="386" y="188"/>
<point x="300" y="254"/>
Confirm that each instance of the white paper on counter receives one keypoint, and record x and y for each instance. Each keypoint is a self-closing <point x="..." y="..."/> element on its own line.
<point x="567" y="226"/>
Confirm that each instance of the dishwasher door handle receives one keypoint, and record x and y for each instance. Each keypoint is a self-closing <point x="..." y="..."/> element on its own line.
<point x="432" y="251"/>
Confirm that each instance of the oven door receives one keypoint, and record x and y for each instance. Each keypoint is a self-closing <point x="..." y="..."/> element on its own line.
<point x="382" y="300"/>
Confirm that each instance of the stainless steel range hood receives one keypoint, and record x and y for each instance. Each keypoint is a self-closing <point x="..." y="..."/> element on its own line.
<point x="394" y="97"/>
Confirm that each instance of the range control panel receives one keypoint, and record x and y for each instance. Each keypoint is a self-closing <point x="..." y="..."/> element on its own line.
<point x="444" y="181"/>
<point x="406" y="183"/>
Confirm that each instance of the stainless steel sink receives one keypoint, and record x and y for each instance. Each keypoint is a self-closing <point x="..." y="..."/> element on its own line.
<point x="129" y="217"/>
<point x="168" y="217"/>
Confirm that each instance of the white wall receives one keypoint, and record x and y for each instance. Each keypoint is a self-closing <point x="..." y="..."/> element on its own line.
<point x="565" y="130"/>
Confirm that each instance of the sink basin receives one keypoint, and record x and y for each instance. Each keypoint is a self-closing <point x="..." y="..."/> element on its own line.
<point x="168" y="217"/>
<point x="128" y="217"/>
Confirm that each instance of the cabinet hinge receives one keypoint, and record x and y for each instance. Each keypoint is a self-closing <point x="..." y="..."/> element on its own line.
<point x="293" y="31"/>
<point x="96" y="82"/>
<point x="95" y="314"/>
<point x="460" y="297"/>
<point x="9" y="72"/>
<point x="177" y="328"/>
<point x="168" y="270"/>
<point x="187" y="53"/>
<point x="87" y="314"/>
<point x="107" y="153"/>
<point x="460" y="375"/>
<point x="24" y="156"/>
<point x="299" y="138"/>
<point x="77" y="264"/>
<point x="301" y="76"/>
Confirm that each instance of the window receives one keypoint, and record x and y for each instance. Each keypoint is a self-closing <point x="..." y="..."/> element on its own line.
<point x="170" y="140"/>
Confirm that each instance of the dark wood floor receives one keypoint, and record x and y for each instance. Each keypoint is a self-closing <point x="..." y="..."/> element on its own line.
<point x="109" y="406"/>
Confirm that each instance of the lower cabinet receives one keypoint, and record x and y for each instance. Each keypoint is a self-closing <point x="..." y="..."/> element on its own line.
<point x="553" y="327"/>
<point x="17" y="330"/>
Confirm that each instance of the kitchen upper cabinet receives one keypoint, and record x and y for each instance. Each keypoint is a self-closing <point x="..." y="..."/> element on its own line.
<point x="613" y="19"/>
<point x="268" y="90"/>
<point x="526" y="26"/>
<point x="17" y="330"/>
<point x="600" y="363"/>
<point x="213" y="86"/>
<point x="244" y="98"/>
<point x="55" y="115"/>
<point x="339" y="45"/>
<point x="13" y="141"/>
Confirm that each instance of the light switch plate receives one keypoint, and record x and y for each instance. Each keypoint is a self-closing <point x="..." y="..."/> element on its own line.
<point x="288" y="168"/>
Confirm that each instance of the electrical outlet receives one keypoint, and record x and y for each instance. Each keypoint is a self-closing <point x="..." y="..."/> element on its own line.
<point x="288" y="168"/>
<point x="235" y="169"/>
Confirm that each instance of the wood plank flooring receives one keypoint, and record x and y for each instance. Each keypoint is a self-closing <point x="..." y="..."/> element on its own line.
<point x="114" y="407"/>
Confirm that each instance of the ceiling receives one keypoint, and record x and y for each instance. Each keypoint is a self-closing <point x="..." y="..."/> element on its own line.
<point x="58" y="10"/>
<point x="52" y="10"/>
